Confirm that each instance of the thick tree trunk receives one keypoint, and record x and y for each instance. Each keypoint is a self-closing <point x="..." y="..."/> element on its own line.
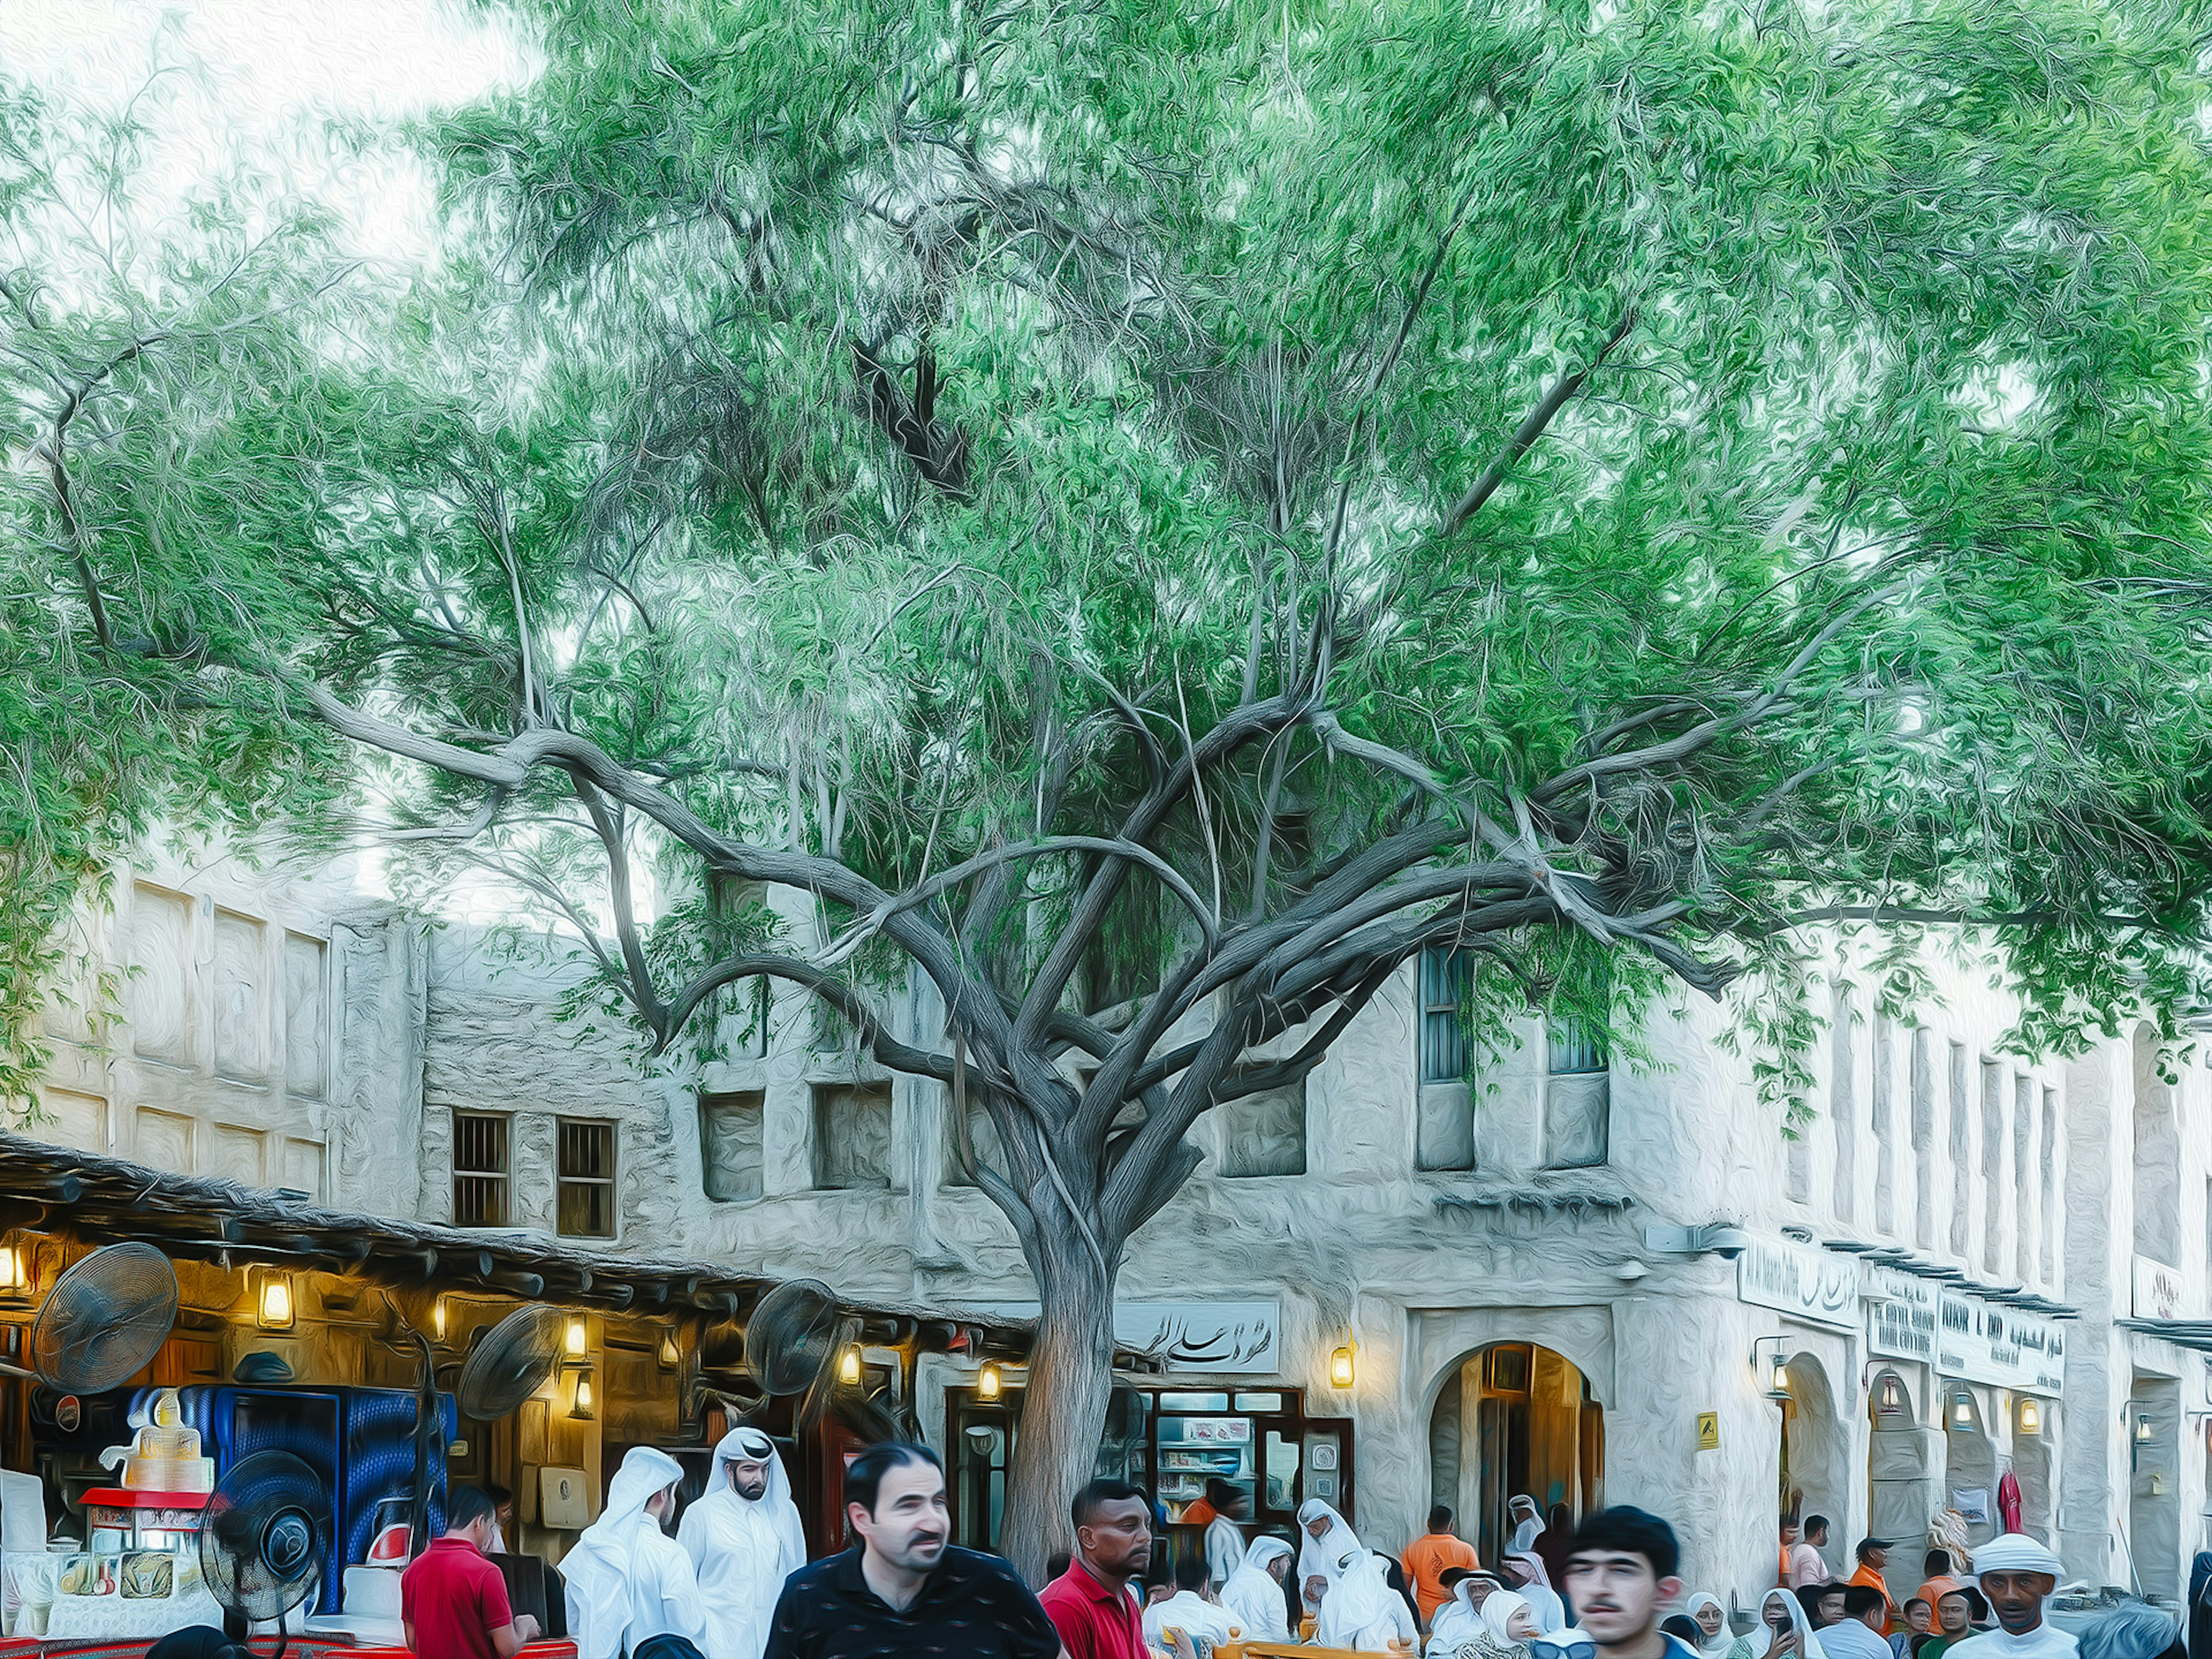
<point x="1064" y="1407"/>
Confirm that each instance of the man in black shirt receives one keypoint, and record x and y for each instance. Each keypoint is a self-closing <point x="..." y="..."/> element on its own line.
<point x="903" y="1590"/>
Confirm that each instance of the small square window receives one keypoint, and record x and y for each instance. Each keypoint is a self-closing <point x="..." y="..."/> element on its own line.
<point x="586" y="1197"/>
<point x="480" y="1170"/>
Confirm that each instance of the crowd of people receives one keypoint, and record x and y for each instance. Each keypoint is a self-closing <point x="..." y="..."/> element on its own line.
<point x="733" y="1583"/>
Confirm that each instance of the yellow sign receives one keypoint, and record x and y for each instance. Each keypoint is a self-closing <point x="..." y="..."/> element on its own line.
<point x="1709" y="1431"/>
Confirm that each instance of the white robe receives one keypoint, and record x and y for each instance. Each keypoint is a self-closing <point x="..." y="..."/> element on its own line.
<point x="1457" y="1625"/>
<point x="1361" y="1611"/>
<point x="2045" y="1641"/>
<point x="742" y="1550"/>
<point x="628" y="1581"/>
<point x="1253" y="1598"/>
<point x="1191" y="1613"/>
<point x="1224" y="1549"/>
<point x="1317" y="1557"/>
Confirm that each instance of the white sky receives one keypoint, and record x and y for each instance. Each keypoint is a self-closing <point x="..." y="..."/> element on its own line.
<point x="262" y="77"/>
<point x="265" y="71"/>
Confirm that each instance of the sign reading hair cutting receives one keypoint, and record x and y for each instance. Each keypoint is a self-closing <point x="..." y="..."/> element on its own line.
<point x="1806" y="1284"/>
<point x="1901" y="1315"/>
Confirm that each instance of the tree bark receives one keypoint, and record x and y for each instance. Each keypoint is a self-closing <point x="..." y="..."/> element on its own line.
<point x="1070" y="1374"/>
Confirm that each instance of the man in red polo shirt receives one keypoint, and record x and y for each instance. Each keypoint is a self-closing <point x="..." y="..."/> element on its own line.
<point x="452" y="1601"/>
<point x="1091" y="1605"/>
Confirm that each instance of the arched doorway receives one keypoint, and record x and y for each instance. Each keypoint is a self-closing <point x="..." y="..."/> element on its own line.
<point x="1814" y="1450"/>
<point x="1900" y="1487"/>
<point x="2032" y="1429"/>
<point x="1970" y="1461"/>
<point x="1516" y="1416"/>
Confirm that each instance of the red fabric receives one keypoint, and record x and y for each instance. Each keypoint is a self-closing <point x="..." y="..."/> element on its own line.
<point x="455" y="1600"/>
<point x="1093" y="1621"/>
<point x="2009" y="1500"/>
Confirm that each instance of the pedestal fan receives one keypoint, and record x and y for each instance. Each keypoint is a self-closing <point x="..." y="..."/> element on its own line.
<point x="264" y="1539"/>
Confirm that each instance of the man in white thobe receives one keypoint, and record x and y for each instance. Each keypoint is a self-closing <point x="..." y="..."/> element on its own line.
<point x="745" y="1539"/>
<point x="2017" y="1574"/>
<point x="628" y="1581"/>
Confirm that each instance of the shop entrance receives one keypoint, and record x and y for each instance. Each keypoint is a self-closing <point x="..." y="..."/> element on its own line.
<point x="1812" y="1457"/>
<point x="1515" y="1418"/>
<point x="1171" y="1442"/>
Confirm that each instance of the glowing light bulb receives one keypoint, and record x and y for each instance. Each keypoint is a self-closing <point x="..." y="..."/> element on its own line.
<point x="276" y="1303"/>
<point x="987" y="1383"/>
<point x="848" y="1368"/>
<point x="576" y="1340"/>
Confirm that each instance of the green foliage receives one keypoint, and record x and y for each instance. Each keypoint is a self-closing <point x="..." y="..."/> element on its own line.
<point x="829" y="409"/>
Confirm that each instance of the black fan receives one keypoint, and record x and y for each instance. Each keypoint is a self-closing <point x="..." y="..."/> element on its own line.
<point x="793" y="1342"/>
<point x="265" y="1538"/>
<point x="792" y="1338"/>
<point x="511" y="1362"/>
<point x="104" y="1322"/>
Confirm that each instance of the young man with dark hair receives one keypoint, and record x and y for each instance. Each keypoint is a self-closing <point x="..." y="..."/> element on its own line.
<point x="1428" y="1556"/>
<point x="1188" y="1610"/>
<point x="1858" y="1634"/>
<point x="903" y="1588"/>
<point x="1620" y="1573"/>
<point x="1823" y="1604"/>
<point x="452" y="1602"/>
<point x="1091" y="1604"/>
<point x="1937" y="1580"/>
<point x="1807" y="1564"/>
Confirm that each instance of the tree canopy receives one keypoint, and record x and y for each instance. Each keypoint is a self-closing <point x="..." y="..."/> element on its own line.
<point x="1241" y="492"/>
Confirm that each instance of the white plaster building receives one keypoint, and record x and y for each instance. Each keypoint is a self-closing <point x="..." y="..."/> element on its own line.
<point x="1545" y="1276"/>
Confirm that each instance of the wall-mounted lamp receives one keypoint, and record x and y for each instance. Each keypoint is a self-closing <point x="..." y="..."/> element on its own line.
<point x="669" y="1354"/>
<point x="438" y="1318"/>
<point x="575" y="1343"/>
<point x="272" y="1308"/>
<point x="848" y="1368"/>
<point x="2143" y="1428"/>
<point x="581" y="1408"/>
<point x="987" y="1383"/>
<point x="17" y="1271"/>
<point x="1962" y="1409"/>
<point x="1769" y="1363"/>
<point x="1341" y="1371"/>
<point x="1892" y="1397"/>
<point x="2031" y="1418"/>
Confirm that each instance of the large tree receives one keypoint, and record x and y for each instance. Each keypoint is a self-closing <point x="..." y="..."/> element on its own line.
<point x="1150" y="516"/>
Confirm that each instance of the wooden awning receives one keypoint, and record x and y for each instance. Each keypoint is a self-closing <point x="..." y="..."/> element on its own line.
<point x="100" y="1200"/>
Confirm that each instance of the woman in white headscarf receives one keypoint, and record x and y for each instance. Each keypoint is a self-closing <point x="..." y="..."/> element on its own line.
<point x="1527" y="1524"/>
<point x="1253" y="1597"/>
<point x="1781" y="1633"/>
<point x="1536" y="1585"/>
<point x="627" y="1580"/>
<point x="1711" y="1617"/>
<point x="745" y="1539"/>
<point x="1361" y="1611"/>
<point x="1324" y="1540"/>
<point x="1509" y="1624"/>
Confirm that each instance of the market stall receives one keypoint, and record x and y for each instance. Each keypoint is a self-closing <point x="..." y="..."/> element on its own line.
<point x="361" y="1365"/>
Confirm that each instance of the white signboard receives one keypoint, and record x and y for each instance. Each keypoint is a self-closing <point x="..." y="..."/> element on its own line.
<point x="1795" y="1278"/>
<point x="2005" y="1346"/>
<point x="2159" y="1293"/>
<point x="1236" y="1337"/>
<point x="1901" y="1315"/>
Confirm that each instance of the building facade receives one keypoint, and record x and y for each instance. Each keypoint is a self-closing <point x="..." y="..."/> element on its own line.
<point x="1964" y="1273"/>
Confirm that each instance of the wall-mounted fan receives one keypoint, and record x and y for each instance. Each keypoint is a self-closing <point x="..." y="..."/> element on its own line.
<point x="103" y="1321"/>
<point x="511" y="1362"/>
<point x="264" y="1538"/>
<point x="794" y="1342"/>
